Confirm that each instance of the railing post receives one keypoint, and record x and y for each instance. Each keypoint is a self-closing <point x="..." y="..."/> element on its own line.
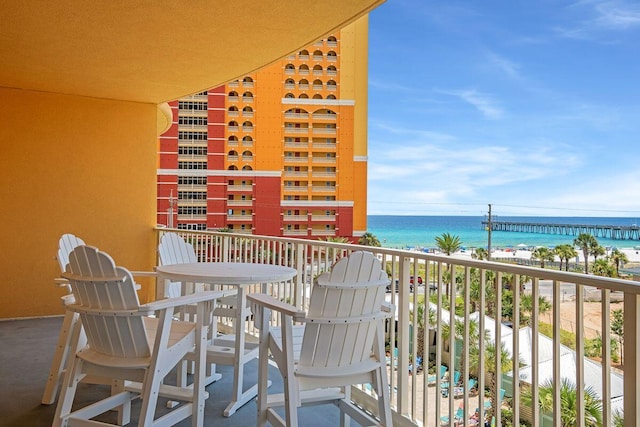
<point x="403" y="336"/>
<point x="631" y="359"/>
<point x="226" y="246"/>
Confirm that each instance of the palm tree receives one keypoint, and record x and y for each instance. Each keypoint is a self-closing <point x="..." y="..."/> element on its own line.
<point x="369" y="239"/>
<point x="526" y="307"/>
<point x="568" y="413"/>
<point x="543" y="254"/>
<point x="480" y="254"/>
<point x="602" y="267"/>
<point x="490" y="356"/>
<point x="458" y="330"/>
<point x="618" y="258"/>
<point x="597" y="251"/>
<point x="448" y="243"/>
<point x="565" y="253"/>
<point x="585" y="241"/>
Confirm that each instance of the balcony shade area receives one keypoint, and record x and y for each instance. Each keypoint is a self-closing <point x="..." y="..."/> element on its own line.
<point x="81" y="83"/>
<point x="157" y="51"/>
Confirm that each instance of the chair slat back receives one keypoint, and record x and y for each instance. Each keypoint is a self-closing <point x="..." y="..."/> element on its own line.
<point x="352" y="295"/>
<point x="98" y="284"/>
<point x="66" y="244"/>
<point x="174" y="250"/>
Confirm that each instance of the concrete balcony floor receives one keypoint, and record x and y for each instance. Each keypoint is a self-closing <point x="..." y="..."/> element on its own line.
<point x="27" y="347"/>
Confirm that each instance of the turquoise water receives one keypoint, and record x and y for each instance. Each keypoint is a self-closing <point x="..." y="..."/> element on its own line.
<point x="403" y="232"/>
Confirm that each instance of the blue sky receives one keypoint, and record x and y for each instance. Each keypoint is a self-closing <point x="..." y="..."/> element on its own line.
<point x="533" y="106"/>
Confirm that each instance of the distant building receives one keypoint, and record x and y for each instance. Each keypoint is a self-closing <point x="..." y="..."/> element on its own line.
<point x="281" y="152"/>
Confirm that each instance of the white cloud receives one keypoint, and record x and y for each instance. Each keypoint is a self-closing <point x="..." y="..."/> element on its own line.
<point x="508" y="67"/>
<point x="482" y="102"/>
<point x="602" y="16"/>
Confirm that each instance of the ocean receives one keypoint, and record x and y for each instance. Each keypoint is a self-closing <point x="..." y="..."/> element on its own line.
<point x="419" y="232"/>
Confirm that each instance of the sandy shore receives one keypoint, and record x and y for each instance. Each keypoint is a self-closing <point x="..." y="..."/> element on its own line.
<point x="632" y="254"/>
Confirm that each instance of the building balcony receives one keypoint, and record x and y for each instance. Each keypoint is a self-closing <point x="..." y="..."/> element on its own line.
<point x="296" y="174"/>
<point x="188" y="217"/>
<point x="329" y="117"/>
<point x="295" y="189"/>
<point x="295" y="218"/>
<point x="187" y="157"/>
<point x="316" y="174"/>
<point x="290" y="144"/>
<point x="324" y="146"/>
<point x="301" y="116"/>
<point x="247" y="99"/>
<point x="233" y="99"/>
<point x="240" y="202"/>
<point x="192" y="127"/>
<point x="248" y="114"/>
<point x="232" y="158"/>
<point x="324" y="131"/>
<point x="324" y="189"/>
<point x="292" y="130"/>
<point x="233" y="113"/>
<point x="303" y="86"/>
<point x="293" y="233"/>
<point x="247" y="129"/>
<point x="233" y="128"/>
<point x="327" y="160"/>
<point x="290" y="86"/>
<point x="291" y="159"/>
<point x="239" y="217"/>
<point x="323" y="232"/>
<point x="191" y="187"/>
<point x="323" y="218"/>
<point x="239" y="188"/>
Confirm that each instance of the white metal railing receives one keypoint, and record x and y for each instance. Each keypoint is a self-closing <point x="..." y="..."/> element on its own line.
<point x="239" y="187"/>
<point x="296" y="218"/>
<point x="239" y="202"/>
<point x="484" y="293"/>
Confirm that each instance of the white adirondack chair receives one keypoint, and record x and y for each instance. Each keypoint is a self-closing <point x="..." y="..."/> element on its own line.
<point x="125" y="344"/>
<point x="174" y="250"/>
<point x="66" y="244"/>
<point x="341" y="344"/>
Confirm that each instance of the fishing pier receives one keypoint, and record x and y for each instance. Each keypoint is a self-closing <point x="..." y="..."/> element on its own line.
<point x="614" y="232"/>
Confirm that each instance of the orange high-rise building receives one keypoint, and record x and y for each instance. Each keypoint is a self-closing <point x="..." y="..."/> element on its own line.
<point x="281" y="152"/>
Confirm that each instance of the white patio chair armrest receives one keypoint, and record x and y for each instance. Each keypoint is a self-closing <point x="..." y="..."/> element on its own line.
<point x="144" y="273"/>
<point x="388" y="308"/>
<point x="267" y="301"/>
<point x="183" y="300"/>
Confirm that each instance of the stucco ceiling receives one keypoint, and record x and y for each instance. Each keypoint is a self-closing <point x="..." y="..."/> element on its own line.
<point x="151" y="50"/>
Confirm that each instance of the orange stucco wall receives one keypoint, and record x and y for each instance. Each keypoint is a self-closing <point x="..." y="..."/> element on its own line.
<point x="72" y="165"/>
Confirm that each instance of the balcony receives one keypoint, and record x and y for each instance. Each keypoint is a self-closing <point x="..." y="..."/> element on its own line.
<point x="324" y="130"/>
<point x="301" y="116"/>
<point x="296" y="189"/>
<point x="323" y="232"/>
<point x="294" y="144"/>
<point x="194" y="127"/>
<point x="239" y="202"/>
<point x="478" y="296"/>
<point x="246" y="187"/>
<point x="239" y="217"/>
<point x="291" y="159"/>
<point x="323" y="218"/>
<point x="328" y="160"/>
<point x="301" y="131"/>
<point x="295" y="218"/>
<point x="296" y="174"/>
<point x="479" y="290"/>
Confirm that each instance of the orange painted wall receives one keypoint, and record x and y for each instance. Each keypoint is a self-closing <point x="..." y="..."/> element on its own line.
<point x="72" y="165"/>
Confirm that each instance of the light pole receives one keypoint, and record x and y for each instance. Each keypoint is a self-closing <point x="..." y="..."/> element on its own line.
<point x="172" y="203"/>
<point x="489" y="234"/>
